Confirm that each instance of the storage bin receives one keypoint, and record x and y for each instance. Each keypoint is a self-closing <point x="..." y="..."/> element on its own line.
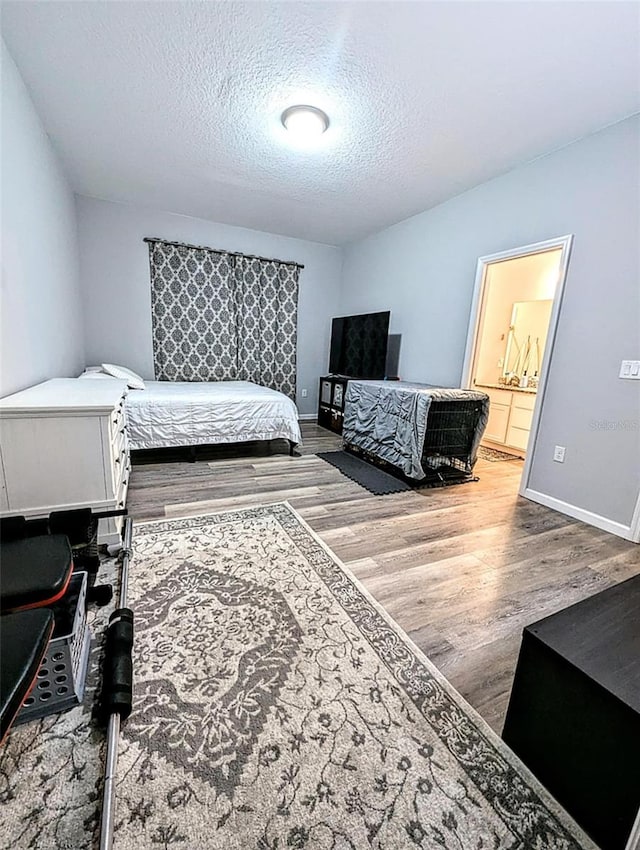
<point x="61" y="678"/>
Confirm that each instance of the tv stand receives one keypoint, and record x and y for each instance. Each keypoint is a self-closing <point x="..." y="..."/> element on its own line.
<point x="333" y="389"/>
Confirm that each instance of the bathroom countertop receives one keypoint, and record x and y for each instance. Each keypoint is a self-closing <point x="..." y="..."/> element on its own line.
<point x="530" y="390"/>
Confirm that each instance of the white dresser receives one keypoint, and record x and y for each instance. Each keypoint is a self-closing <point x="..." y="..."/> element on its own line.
<point x="63" y="445"/>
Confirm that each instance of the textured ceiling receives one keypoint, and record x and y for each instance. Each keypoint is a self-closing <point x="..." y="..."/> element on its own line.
<point x="177" y="105"/>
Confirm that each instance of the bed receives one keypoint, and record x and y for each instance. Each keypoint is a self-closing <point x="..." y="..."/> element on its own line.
<point x="166" y="414"/>
<point x="194" y="414"/>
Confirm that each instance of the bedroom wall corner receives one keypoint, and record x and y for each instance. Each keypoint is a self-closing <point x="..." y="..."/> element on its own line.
<point x="40" y="309"/>
<point x="114" y="271"/>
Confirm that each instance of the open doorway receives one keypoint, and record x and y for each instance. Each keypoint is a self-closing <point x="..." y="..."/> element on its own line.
<point x="509" y="347"/>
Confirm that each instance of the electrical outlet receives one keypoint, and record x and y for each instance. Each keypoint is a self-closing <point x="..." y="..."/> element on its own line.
<point x="303" y="393"/>
<point x="558" y="454"/>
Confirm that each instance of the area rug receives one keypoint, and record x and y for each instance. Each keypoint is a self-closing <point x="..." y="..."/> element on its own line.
<point x="375" y="480"/>
<point x="494" y="456"/>
<point x="277" y="706"/>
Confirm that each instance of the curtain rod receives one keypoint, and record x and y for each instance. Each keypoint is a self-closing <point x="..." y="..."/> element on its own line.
<point x="228" y="253"/>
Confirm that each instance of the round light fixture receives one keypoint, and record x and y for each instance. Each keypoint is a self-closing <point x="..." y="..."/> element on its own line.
<point x="305" y="122"/>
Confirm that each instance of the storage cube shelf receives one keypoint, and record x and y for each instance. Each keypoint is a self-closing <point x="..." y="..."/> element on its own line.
<point x="333" y="389"/>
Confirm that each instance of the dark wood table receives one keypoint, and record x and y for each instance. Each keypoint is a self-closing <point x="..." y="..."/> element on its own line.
<point x="574" y="712"/>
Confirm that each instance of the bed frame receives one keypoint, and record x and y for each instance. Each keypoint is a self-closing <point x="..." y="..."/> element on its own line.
<point x="190" y="453"/>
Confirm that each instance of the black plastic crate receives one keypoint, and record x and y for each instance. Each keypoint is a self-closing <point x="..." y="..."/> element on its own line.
<point x="61" y="678"/>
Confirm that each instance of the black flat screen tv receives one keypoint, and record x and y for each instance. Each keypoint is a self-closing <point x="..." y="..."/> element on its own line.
<point x="359" y="345"/>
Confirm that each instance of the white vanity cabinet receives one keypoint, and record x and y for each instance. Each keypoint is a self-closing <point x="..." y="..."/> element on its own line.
<point x="510" y="417"/>
<point x="520" y="418"/>
<point x="63" y="445"/>
<point x="498" y="421"/>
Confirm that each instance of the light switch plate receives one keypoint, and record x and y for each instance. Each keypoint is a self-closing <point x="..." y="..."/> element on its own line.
<point x="630" y="369"/>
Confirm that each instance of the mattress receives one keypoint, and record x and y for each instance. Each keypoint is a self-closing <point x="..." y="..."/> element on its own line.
<point x="191" y="414"/>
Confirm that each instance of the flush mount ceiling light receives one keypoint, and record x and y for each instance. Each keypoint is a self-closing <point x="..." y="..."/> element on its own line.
<point x="305" y="122"/>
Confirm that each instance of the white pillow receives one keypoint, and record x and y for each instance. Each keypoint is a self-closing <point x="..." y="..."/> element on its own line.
<point x="134" y="381"/>
<point x="93" y="375"/>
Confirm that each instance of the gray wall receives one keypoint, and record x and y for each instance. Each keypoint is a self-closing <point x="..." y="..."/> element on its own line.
<point x="41" y="322"/>
<point x="423" y="269"/>
<point x="114" y="263"/>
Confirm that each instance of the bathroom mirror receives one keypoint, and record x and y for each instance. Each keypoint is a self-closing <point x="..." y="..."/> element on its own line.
<point x="527" y="338"/>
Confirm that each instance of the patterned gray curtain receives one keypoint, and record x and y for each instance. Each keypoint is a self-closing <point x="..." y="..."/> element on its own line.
<point x="223" y="317"/>
<point x="267" y="294"/>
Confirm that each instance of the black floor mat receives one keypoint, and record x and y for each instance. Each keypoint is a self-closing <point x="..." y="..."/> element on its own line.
<point x="375" y="480"/>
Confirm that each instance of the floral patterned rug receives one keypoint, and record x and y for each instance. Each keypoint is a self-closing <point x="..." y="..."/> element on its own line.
<point x="277" y="707"/>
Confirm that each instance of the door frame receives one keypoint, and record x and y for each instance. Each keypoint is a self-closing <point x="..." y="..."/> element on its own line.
<point x="634" y="536"/>
<point x="565" y="243"/>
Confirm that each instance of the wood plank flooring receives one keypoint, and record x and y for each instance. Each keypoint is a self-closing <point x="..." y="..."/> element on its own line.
<point x="462" y="569"/>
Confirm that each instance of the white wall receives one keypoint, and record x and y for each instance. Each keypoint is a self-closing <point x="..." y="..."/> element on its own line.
<point x="423" y="270"/>
<point x="114" y="263"/>
<point x="41" y="322"/>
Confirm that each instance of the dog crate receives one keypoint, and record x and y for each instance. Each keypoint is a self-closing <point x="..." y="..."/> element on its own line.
<point x="60" y="681"/>
<point x="448" y="448"/>
<point x="447" y="454"/>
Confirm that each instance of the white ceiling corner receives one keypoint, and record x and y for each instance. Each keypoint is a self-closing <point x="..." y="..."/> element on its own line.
<point x="176" y="105"/>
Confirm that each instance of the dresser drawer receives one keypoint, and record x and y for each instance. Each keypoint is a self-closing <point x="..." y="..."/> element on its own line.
<point x="527" y="401"/>
<point x="520" y="418"/>
<point x="120" y="443"/>
<point x="119" y="450"/>
<point x="120" y="462"/>
<point x="517" y="437"/>
<point x="498" y="396"/>
<point x="118" y="419"/>
<point x="123" y="486"/>
<point x="4" y="500"/>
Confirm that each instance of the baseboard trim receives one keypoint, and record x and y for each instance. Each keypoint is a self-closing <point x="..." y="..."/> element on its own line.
<point x="583" y="515"/>
<point x="307" y="417"/>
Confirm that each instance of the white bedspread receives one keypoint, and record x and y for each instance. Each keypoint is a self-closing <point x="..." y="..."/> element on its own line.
<point x="192" y="414"/>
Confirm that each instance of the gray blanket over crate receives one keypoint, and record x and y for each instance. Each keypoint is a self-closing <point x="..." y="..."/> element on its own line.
<point x="389" y="420"/>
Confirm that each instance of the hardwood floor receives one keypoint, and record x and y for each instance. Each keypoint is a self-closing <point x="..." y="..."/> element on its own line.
<point x="462" y="569"/>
